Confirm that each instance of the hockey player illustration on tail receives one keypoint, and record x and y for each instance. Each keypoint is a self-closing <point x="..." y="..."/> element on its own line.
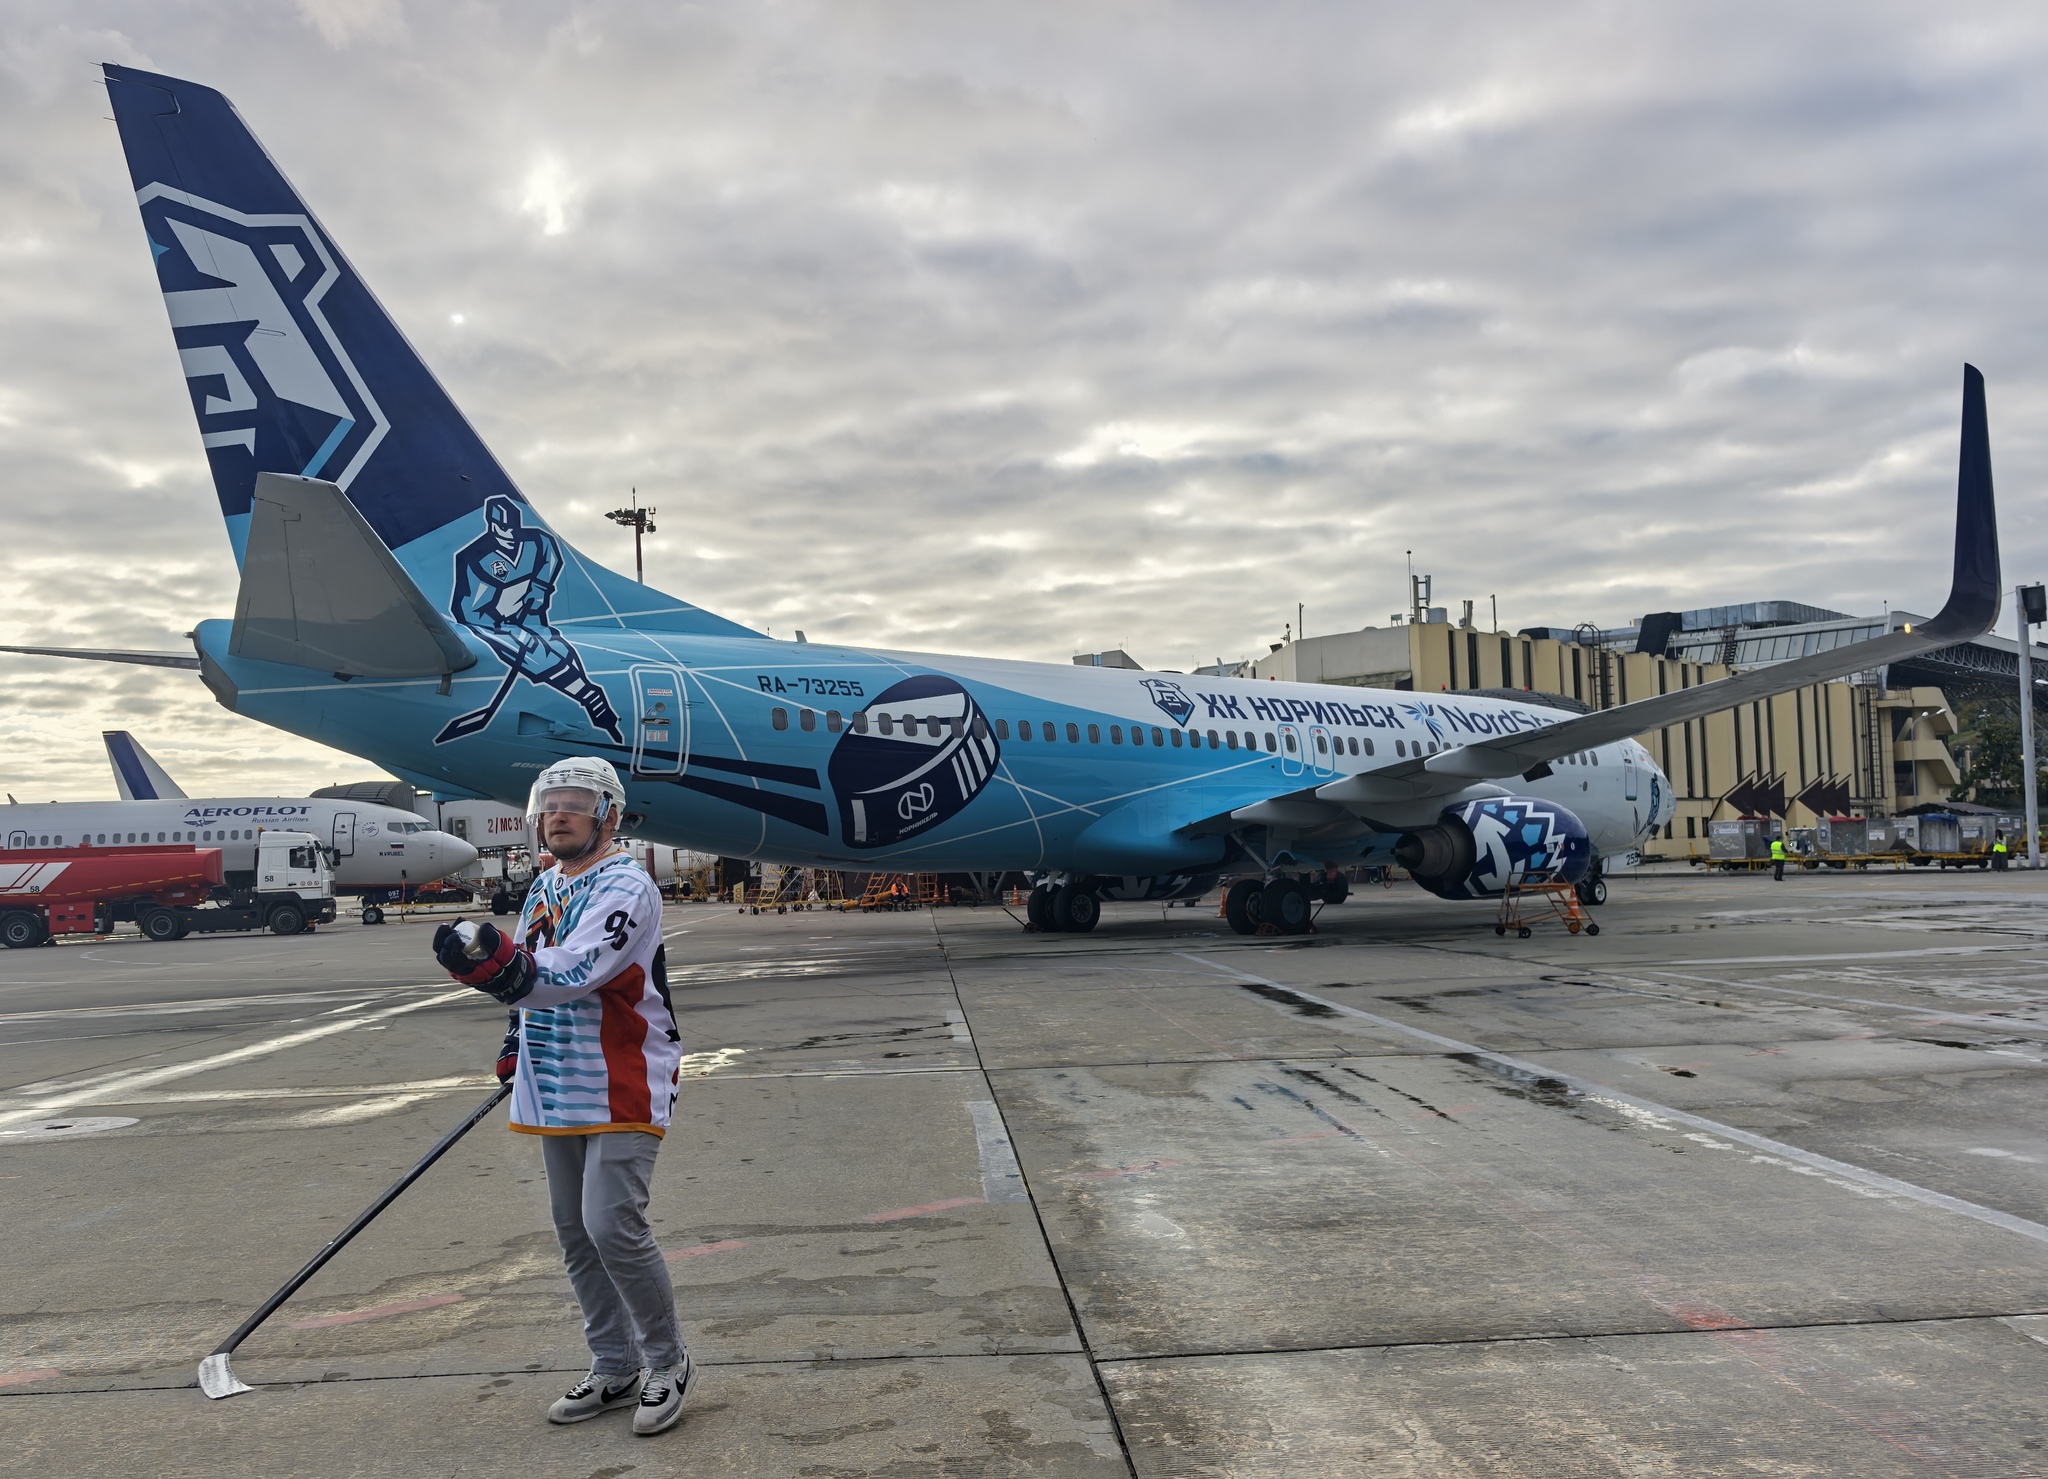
<point x="504" y="580"/>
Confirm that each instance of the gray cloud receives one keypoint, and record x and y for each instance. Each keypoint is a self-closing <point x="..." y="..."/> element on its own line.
<point x="1034" y="330"/>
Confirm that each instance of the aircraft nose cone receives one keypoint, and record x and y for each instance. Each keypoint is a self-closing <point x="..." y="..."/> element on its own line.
<point x="452" y="853"/>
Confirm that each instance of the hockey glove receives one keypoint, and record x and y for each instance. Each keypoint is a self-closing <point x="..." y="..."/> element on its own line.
<point x="499" y="968"/>
<point x="508" y="1051"/>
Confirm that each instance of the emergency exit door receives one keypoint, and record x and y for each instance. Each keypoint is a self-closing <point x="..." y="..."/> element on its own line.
<point x="661" y="721"/>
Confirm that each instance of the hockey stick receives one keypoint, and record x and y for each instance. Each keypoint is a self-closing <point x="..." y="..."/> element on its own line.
<point x="463" y="725"/>
<point x="216" y="1378"/>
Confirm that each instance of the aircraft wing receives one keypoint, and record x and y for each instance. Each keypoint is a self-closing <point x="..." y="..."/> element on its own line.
<point x="114" y="654"/>
<point x="1972" y="607"/>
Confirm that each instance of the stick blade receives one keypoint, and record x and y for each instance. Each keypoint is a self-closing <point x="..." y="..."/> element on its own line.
<point x="217" y="1379"/>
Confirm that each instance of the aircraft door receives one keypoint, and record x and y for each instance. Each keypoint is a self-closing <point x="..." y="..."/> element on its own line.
<point x="1628" y="777"/>
<point x="17" y="839"/>
<point x="1321" y="751"/>
<point x="344" y="834"/>
<point x="661" y="721"/>
<point x="1290" y="750"/>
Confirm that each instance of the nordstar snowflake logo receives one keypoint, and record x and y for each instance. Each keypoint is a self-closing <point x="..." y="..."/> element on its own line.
<point x="1425" y="714"/>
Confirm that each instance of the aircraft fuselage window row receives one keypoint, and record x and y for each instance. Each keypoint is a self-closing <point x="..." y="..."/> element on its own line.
<point x="101" y="839"/>
<point x="1027" y="729"/>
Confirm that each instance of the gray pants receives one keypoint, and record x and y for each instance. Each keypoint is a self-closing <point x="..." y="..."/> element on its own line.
<point x="597" y="1190"/>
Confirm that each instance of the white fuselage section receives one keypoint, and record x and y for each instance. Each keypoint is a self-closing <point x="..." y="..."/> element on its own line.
<point x="372" y="846"/>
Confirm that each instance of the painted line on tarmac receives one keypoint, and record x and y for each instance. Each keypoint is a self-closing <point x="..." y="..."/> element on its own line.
<point x="1860" y="955"/>
<point x="1522" y="1069"/>
<point x="1925" y="1014"/>
<point x="231" y="1096"/>
<point x="106" y="1086"/>
<point x="15" y="1378"/>
<point x="381" y="1312"/>
<point x="208" y="1004"/>
<point x="1001" y="1179"/>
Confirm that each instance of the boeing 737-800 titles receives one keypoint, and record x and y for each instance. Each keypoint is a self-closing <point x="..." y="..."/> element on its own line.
<point x="403" y="601"/>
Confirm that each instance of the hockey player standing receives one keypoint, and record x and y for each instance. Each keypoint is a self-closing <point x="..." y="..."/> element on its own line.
<point x="592" y="1051"/>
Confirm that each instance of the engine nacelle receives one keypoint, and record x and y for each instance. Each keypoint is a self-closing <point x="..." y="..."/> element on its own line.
<point x="1475" y="850"/>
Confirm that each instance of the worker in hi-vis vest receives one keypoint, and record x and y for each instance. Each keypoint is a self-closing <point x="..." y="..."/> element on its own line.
<point x="1778" y="858"/>
<point x="1999" y="854"/>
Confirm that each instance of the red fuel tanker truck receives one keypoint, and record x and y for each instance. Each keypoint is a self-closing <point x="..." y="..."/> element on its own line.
<point x="167" y="891"/>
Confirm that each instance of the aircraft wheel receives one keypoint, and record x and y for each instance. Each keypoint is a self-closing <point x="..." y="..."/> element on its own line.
<point x="287" y="919"/>
<point x="1241" y="906"/>
<point x="373" y="915"/>
<point x="1076" y="908"/>
<point x="1038" y="909"/>
<point x="160" y="925"/>
<point x="1336" y="890"/>
<point x="1593" y="891"/>
<point x="1286" y="906"/>
<point x="21" y="929"/>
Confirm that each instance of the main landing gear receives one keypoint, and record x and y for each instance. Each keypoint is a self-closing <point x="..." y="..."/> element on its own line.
<point x="1280" y="906"/>
<point x="1063" y="908"/>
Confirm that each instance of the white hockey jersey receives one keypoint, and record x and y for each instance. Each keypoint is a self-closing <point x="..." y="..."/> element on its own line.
<point x="598" y="1046"/>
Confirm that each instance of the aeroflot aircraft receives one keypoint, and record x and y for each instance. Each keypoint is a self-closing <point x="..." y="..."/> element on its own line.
<point x="402" y="600"/>
<point x="372" y="847"/>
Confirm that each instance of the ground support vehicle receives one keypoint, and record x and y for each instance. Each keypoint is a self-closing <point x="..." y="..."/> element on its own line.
<point x="294" y="890"/>
<point x="49" y="891"/>
<point x="1538" y="897"/>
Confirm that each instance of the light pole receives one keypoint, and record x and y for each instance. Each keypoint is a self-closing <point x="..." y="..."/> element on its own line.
<point x="640" y="521"/>
<point x="2032" y="607"/>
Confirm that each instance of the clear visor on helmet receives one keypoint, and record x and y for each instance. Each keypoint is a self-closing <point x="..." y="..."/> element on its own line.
<point x="575" y="801"/>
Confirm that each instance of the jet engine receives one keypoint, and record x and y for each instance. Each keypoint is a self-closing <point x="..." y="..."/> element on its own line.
<point x="1474" y="850"/>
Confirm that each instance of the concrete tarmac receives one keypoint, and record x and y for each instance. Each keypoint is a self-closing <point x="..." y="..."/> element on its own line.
<point x="1753" y="1183"/>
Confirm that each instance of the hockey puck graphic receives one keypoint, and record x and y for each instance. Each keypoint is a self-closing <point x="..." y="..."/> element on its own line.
<point x="909" y="760"/>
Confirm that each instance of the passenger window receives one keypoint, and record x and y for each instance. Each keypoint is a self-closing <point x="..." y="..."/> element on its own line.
<point x="832" y="721"/>
<point x="1433" y="747"/>
<point x="910" y="726"/>
<point x="1368" y="745"/>
<point x="980" y="727"/>
<point x="1353" y="740"/>
<point x="1596" y="756"/>
<point x="955" y="724"/>
<point x="1073" y="734"/>
<point x="1176" y="738"/>
<point x="1137" y="734"/>
<point x="806" y="720"/>
<point x="860" y="721"/>
<point x="886" y="723"/>
<point x="1159" y="737"/>
<point x="1116" y="734"/>
<point x="1023" y="729"/>
<point x="1230" y="735"/>
<point x="1046" y="732"/>
<point x="1401" y="748"/>
<point x="1290" y="744"/>
<point x="1095" y="734"/>
<point x="1269" y="739"/>
<point x="1322" y="744"/>
<point x="779" y="718"/>
<point x="1214" y="743"/>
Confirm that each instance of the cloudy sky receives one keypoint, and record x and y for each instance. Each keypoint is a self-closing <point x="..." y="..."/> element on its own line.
<point x="1032" y="330"/>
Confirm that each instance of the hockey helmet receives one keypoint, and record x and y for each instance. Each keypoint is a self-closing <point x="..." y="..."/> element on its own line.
<point x="580" y="785"/>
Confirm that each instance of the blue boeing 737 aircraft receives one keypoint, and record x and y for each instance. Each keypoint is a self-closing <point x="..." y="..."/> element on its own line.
<point x="403" y="601"/>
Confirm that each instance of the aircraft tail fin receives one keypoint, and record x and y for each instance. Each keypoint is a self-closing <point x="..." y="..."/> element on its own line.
<point x="294" y="367"/>
<point x="136" y="774"/>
